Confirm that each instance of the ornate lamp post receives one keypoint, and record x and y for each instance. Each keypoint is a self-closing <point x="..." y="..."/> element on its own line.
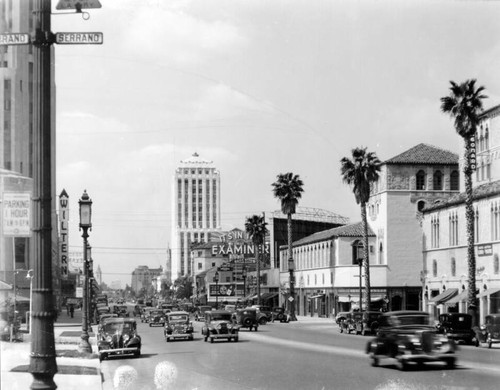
<point x="89" y="286"/>
<point x="244" y="276"/>
<point x="29" y="275"/>
<point x="216" y="278"/>
<point x="85" y="224"/>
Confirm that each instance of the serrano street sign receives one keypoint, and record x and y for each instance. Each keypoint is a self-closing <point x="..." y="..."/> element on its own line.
<point x="14" y="39"/>
<point x="78" y="4"/>
<point x="79" y="38"/>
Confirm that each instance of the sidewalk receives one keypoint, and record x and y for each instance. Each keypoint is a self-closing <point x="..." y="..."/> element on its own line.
<point x="73" y="372"/>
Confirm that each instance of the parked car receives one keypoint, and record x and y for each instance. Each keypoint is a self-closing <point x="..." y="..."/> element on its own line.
<point x="219" y="325"/>
<point x="368" y="323"/>
<point x="341" y="316"/>
<point x="102" y="319"/>
<point x="118" y="337"/>
<point x="199" y="314"/>
<point x="246" y="318"/>
<point x="138" y="310"/>
<point x="408" y="337"/>
<point x="267" y="314"/>
<point x="279" y="314"/>
<point x="178" y="326"/>
<point x="489" y="332"/>
<point x="145" y="314"/>
<point x="121" y="310"/>
<point x="457" y="326"/>
<point x="349" y="324"/>
<point x="156" y="318"/>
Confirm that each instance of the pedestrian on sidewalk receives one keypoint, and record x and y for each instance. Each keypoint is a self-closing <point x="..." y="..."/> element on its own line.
<point x="71" y="310"/>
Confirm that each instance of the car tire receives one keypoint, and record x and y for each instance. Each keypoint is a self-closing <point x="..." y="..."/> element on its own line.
<point x="191" y="338"/>
<point x="167" y="339"/>
<point x="150" y="325"/>
<point x="247" y="322"/>
<point x="263" y="321"/>
<point x="137" y="354"/>
<point x="211" y="340"/>
<point x="375" y="361"/>
<point x="450" y="363"/>
<point x="102" y="357"/>
<point x="256" y="328"/>
<point x="205" y="339"/>
<point x="490" y="344"/>
<point x="401" y="364"/>
<point x="236" y="339"/>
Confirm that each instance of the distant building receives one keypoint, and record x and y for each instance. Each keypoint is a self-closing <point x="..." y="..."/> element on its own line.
<point x="445" y="268"/>
<point x="116" y="285"/>
<point x="144" y="279"/>
<point x="195" y="210"/>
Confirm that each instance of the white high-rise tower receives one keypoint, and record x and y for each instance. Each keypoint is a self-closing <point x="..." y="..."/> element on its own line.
<point x="196" y="209"/>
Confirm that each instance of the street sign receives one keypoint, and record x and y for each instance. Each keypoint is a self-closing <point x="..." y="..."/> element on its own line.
<point x="14" y="39"/>
<point x="79" y="38"/>
<point x="78" y="4"/>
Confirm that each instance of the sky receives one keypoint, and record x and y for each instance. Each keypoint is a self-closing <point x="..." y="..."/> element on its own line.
<point x="260" y="88"/>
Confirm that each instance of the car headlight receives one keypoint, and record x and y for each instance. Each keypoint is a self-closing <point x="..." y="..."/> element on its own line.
<point x="109" y="338"/>
<point x="126" y="337"/>
<point x="415" y="340"/>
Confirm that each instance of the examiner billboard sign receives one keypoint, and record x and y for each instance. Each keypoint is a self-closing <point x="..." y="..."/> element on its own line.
<point x="16" y="214"/>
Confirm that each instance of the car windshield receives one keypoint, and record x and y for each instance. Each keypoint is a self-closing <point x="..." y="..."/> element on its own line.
<point x="411" y="319"/>
<point x="178" y="317"/>
<point x="156" y="312"/>
<point x="113" y="327"/>
<point x="221" y="317"/>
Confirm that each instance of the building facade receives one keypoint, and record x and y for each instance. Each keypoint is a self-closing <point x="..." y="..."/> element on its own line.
<point x="445" y="268"/>
<point x="195" y="210"/>
<point x="144" y="280"/>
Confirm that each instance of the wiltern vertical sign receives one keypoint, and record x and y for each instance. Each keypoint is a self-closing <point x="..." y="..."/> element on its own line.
<point x="63" y="233"/>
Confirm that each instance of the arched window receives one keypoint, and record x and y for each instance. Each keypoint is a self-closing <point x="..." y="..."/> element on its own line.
<point x="496" y="269"/>
<point x="357" y="252"/>
<point x="454" y="181"/>
<point x="421" y="180"/>
<point x="420" y="205"/>
<point x="453" y="267"/>
<point x="437" y="182"/>
<point x="434" y="268"/>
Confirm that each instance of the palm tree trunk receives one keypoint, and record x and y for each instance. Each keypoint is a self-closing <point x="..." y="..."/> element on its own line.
<point x="257" y="258"/>
<point x="471" y="258"/>
<point x="366" y="262"/>
<point x="293" y="317"/>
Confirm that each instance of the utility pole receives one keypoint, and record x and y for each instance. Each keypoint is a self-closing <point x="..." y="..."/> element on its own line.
<point x="43" y="364"/>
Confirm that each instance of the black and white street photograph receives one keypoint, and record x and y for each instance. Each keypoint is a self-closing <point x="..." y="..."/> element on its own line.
<point x="249" y="194"/>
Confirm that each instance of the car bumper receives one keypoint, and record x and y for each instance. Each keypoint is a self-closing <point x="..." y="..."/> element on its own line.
<point x="179" y="336"/>
<point x="223" y="336"/>
<point x="156" y="324"/>
<point x="423" y="357"/>
<point x="119" y="351"/>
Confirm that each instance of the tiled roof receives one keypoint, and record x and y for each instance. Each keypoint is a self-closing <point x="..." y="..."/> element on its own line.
<point x="479" y="192"/>
<point x="353" y="230"/>
<point x="425" y="154"/>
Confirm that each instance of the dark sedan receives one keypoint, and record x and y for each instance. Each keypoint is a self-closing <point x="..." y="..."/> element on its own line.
<point x="118" y="337"/>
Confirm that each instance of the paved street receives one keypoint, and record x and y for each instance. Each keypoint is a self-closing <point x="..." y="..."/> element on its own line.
<point x="309" y="354"/>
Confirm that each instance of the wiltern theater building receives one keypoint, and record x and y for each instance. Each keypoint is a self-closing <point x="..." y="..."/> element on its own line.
<point x="195" y="209"/>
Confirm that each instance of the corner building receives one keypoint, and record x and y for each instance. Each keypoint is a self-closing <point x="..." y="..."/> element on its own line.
<point x="195" y="209"/>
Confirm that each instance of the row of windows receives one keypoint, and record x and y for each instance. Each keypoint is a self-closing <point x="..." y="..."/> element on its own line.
<point x="437" y="181"/>
<point x="194" y="171"/>
<point x="453" y="267"/>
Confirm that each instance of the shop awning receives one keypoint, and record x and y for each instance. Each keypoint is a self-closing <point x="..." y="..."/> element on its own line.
<point x="250" y="297"/>
<point x="344" y="299"/>
<point x="376" y="298"/>
<point x="444" y="296"/>
<point x="462" y="297"/>
<point x="268" y="295"/>
<point x="490" y="291"/>
<point x="317" y="296"/>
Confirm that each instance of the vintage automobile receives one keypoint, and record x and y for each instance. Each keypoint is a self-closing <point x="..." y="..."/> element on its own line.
<point x="156" y="318"/>
<point x="138" y="310"/>
<point x="121" y="310"/>
<point x="279" y="314"/>
<point x="348" y="325"/>
<point x="145" y="314"/>
<point x="368" y="323"/>
<point x="489" y="333"/>
<point x="341" y="316"/>
<point x="457" y="326"/>
<point x="246" y="318"/>
<point x="199" y="314"/>
<point x="265" y="314"/>
<point x="100" y="310"/>
<point x="408" y="337"/>
<point x="219" y="325"/>
<point x="178" y="326"/>
<point x="118" y="337"/>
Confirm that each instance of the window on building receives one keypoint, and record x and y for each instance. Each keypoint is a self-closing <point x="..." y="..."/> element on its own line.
<point x="496" y="269"/>
<point x="453" y="226"/>
<point x="437" y="181"/>
<point x="420" y="205"/>
<point x="454" y="180"/>
<point x="200" y="266"/>
<point x="435" y="232"/>
<point x="308" y="280"/>
<point x="477" y="226"/>
<point x="434" y="268"/>
<point x="331" y="278"/>
<point x="357" y="252"/>
<point x="421" y="177"/>
<point x="453" y="267"/>
<point x="495" y="221"/>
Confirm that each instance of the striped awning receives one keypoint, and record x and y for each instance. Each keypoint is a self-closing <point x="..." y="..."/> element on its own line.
<point x="444" y="296"/>
<point x="462" y="297"/>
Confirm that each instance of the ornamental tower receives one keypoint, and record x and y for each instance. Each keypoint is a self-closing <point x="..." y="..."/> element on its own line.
<point x="195" y="209"/>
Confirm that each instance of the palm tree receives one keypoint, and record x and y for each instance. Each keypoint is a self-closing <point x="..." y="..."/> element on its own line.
<point x="359" y="172"/>
<point x="464" y="104"/>
<point x="288" y="189"/>
<point x="255" y="226"/>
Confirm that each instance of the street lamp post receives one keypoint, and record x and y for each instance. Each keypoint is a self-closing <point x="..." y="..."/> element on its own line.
<point x="29" y="275"/>
<point x="89" y="286"/>
<point x="216" y="278"/>
<point x="244" y="276"/>
<point x="85" y="224"/>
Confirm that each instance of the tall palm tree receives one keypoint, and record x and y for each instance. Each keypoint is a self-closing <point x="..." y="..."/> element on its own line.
<point x="288" y="189"/>
<point x="464" y="104"/>
<point x="255" y="226"/>
<point x="359" y="172"/>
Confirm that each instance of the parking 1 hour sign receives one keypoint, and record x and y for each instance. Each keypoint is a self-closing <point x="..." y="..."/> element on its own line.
<point x="79" y="38"/>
